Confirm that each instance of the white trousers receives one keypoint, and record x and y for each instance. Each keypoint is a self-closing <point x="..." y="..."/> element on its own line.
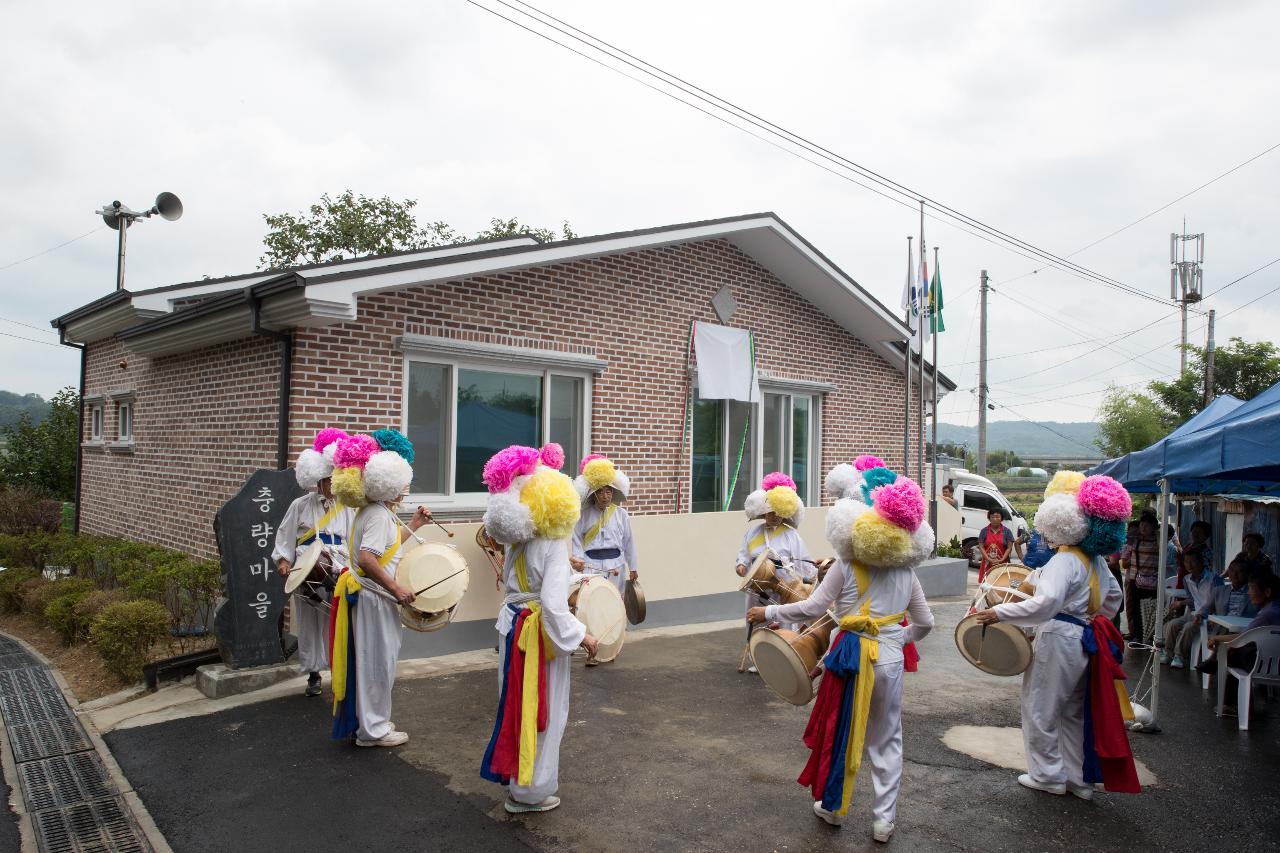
<point x="1053" y="709"/>
<point x="884" y="741"/>
<point x="378" y="635"/>
<point x="311" y="625"/>
<point x="546" y="765"/>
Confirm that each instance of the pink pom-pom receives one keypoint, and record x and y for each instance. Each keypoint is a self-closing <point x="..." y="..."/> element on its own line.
<point x="354" y="451"/>
<point x="1102" y="497"/>
<point x="866" y="462"/>
<point x="553" y="455"/>
<point x="590" y="457"/>
<point x="326" y="437"/>
<point x="777" y="478"/>
<point x="901" y="502"/>
<point x="507" y="464"/>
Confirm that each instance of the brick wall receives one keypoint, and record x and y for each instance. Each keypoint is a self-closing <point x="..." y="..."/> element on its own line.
<point x="203" y="421"/>
<point x="632" y="310"/>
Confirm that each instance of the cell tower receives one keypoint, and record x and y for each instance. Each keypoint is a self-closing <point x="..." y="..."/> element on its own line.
<point x="1186" y="278"/>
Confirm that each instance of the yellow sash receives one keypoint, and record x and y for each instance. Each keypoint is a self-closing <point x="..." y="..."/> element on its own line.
<point x="348" y="584"/>
<point x="1095" y="604"/>
<point x="527" y="641"/>
<point x="595" y="528"/>
<point x="760" y="538"/>
<point x="323" y="522"/>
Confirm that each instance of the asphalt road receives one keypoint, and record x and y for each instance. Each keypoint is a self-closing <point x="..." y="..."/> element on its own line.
<point x="671" y="749"/>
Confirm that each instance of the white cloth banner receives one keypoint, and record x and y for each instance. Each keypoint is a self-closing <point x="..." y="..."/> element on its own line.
<point x="725" y="368"/>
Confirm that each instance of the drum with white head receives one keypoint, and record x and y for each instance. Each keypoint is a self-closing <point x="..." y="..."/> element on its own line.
<point x="998" y="648"/>
<point x="438" y="576"/>
<point x="598" y="605"/>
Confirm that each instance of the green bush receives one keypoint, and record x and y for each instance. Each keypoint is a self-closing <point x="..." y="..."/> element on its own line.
<point x="28" y="550"/>
<point x="88" y="608"/>
<point x="123" y="633"/>
<point x="11" y="581"/>
<point x="60" y="612"/>
<point x="24" y="509"/>
<point x="36" y="595"/>
<point x="951" y="549"/>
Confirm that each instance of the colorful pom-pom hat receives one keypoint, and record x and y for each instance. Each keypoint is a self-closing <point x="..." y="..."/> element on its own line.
<point x="529" y="498"/>
<point x="316" y="462"/>
<point x="777" y="493"/>
<point x="1090" y="512"/>
<point x="879" y="519"/>
<point x="372" y="468"/>
<point x="598" y="471"/>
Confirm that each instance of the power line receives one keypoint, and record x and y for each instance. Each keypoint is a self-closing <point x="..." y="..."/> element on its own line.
<point x="51" y="249"/>
<point x="30" y="340"/>
<point x="47" y="331"/>
<point x="668" y="79"/>
<point x="1160" y="209"/>
<point x="1048" y="428"/>
<point x="1216" y="291"/>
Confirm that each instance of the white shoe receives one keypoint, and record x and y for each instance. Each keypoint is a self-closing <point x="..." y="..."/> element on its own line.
<point x="830" y="817"/>
<point x="1084" y="792"/>
<point x="546" y="805"/>
<point x="881" y="830"/>
<point x="752" y="669"/>
<point x="1026" y="781"/>
<point x="391" y="738"/>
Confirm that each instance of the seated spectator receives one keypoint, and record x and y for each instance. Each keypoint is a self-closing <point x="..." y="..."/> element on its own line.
<point x="1255" y="562"/>
<point x="1199" y="543"/>
<point x="1183" y="629"/>
<point x="948" y="494"/>
<point x="1264" y="591"/>
<point x="1232" y="598"/>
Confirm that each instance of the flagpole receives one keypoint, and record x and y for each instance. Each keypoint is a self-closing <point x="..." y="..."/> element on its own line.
<point x="906" y="402"/>
<point x="933" y="466"/>
<point x="924" y="283"/>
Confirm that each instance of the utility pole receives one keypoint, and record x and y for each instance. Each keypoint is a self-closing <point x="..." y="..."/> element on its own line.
<point x="1185" y="279"/>
<point x="1208" y="362"/>
<point x="906" y="404"/>
<point x="982" y="376"/>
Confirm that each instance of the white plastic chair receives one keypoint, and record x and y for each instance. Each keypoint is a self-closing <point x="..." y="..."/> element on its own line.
<point x="1265" y="670"/>
<point x="1199" y="651"/>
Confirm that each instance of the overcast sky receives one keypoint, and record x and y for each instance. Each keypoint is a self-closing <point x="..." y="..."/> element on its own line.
<point x="1057" y="123"/>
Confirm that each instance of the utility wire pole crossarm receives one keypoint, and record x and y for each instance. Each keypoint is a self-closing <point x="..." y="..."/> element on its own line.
<point x="1186" y="280"/>
<point x="982" y="376"/>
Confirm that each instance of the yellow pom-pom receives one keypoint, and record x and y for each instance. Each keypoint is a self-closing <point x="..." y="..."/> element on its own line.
<point x="598" y="473"/>
<point x="1064" y="483"/>
<point x="784" y="501"/>
<point x="553" y="503"/>
<point x="348" y="486"/>
<point x="878" y="542"/>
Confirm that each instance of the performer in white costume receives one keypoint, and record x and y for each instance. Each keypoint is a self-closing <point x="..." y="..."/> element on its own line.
<point x="373" y="472"/>
<point x="1075" y="597"/>
<point x="532" y="509"/>
<point x="773" y="513"/>
<point x="316" y="514"/>
<point x="602" y="540"/>
<point x="869" y="590"/>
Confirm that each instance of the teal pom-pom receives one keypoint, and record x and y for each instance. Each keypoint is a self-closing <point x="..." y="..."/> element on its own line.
<point x="1104" y="537"/>
<point x="874" y="478"/>
<point x="395" y="441"/>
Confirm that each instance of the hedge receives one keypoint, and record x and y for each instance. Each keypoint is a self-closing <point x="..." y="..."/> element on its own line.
<point x="124" y="633"/>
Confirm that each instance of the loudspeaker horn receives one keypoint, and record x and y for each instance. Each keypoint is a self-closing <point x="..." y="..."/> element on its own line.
<point x="112" y="219"/>
<point x="168" y="205"/>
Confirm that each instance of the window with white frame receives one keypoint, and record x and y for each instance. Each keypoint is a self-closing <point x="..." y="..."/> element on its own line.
<point x="95" y="421"/>
<point x="124" y="419"/>
<point x="459" y="413"/>
<point x="732" y="451"/>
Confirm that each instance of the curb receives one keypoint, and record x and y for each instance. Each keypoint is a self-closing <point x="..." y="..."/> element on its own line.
<point x="132" y="801"/>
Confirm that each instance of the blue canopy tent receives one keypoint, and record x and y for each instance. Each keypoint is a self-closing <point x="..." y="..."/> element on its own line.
<point x="1230" y="447"/>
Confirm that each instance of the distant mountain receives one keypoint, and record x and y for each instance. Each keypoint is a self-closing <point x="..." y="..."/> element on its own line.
<point x="1028" y="440"/>
<point x="12" y="405"/>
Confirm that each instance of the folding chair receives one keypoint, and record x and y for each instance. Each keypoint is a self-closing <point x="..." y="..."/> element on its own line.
<point x="1265" y="669"/>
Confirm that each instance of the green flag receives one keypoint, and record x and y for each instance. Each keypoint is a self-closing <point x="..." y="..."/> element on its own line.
<point x="935" y="301"/>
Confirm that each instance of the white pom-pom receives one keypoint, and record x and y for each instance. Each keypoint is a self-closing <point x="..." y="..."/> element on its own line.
<point x="840" y="520"/>
<point x="756" y="504"/>
<point x="795" y="520"/>
<point x="311" y="468"/>
<point x="922" y="543"/>
<point x="582" y="487"/>
<point x="386" y="476"/>
<point x="622" y="483"/>
<point x="507" y="519"/>
<point x="843" y="482"/>
<point x="1061" y="521"/>
<point x="330" y="449"/>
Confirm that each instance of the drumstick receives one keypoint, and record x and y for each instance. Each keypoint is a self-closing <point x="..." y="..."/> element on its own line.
<point x="442" y="527"/>
<point x="982" y="638"/>
<point x="437" y="583"/>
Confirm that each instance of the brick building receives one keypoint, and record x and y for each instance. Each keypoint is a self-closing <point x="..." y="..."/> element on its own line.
<point x="189" y="388"/>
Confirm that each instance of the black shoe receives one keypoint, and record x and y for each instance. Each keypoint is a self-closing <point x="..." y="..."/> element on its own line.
<point x="313" y="685"/>
<point x="1207" y="667"/>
